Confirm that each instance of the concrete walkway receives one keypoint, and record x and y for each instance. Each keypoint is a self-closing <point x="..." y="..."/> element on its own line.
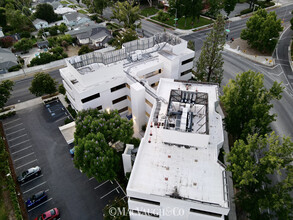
<point x="232" y="214"/>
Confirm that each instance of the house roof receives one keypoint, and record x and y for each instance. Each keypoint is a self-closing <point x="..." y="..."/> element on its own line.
<point x="42" y="43"/>
<point x="74" y="16"/>
<point x="7" y="59"/>
<point x="35" y="22"/>
<point x="55" y="4"/>
<point x="93" y="32"/>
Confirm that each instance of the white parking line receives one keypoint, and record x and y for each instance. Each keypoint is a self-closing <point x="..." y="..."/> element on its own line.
<point x="34" y="187"/>
<point x="13" y="126"/>
<point x="31" y="180"/>
<point x="11" y="121"/>
<point x="91" y="178"/>
<point x="17" y="137"/>
<point x="61" y="119"/>
<point x="19" y="143"/>
<point x="21" y="150"/>
<point x="16" y="131"/>
<point x="47" y="190"/>
<point x="101" y="184"/>
<point x="26" y="164"/>
<point x="24" y="156"/>
<point x="109" y="192"/>
<point x="40" y="205"/>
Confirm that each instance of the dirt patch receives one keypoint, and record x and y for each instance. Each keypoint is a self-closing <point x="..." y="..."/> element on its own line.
<point x="244" y="47"/>
<point x="72" y="51"/>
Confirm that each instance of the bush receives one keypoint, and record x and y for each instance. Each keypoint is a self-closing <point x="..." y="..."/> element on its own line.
<point x="67" y="121"/>
<point x="246" y="11"/>
<point x="143" y="128"/>
<point x="84" y="49"/>
<point x="72" y="111"/>
<point x="9" y="114"/>
<point x="14" y="68"/>
<point x="135" y="142"/>
<point x="96" y="18"/>
<point x="67" y="100"/>
<point x="162" y="16"/>
<point x="61" y="89"/>
<point x="25" y="34"/>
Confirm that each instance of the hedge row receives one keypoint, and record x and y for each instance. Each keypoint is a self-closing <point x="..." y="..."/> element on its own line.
<point x="9" y="182"/>
<point x="7" y="115"/>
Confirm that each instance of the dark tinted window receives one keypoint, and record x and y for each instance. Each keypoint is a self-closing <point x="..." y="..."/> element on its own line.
<point x="123" y="110"/>
<point x="119" y="99"/>
<point x="118" y="87"/>
<point x="87" y="99"/>
<point x="187" y="61"/>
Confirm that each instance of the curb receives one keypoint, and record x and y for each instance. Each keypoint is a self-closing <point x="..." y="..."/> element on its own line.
<point x="268" y="8"/>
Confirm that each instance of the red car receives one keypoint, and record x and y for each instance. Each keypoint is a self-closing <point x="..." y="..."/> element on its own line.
<point x="49" y="215"/>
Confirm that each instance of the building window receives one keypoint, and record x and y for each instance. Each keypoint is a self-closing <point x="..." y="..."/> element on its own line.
<point x="187" y="61"/>
<point x="148" y="75"/>
<point x="185" y="72"/>
<point x="100" y="107"/>
<point x="147" y="114"/>
<point x="144" y="201"/>
<point x="149" y="103"/>
<point x="119" y="99"/>
<point x="206" y="213"/>
<point x="123" y="109"/>
<point x="92" y="97"/>
<point x="123" y="85"/>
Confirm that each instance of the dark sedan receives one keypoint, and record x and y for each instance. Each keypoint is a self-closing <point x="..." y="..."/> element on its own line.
<point x="36" y="199"/>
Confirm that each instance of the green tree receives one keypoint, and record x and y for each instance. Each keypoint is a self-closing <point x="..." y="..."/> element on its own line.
<point x="5" y="91"/>
<point x="193" y="8"/>
<point x="24" y="44"/>
<point x="119" y="205"/>
<point x="127" y="36"/>
<point x="126" y="12"/>
<point x="248" y="103"/>
<point x="215" y="7"/>
<point x="94" y="131"/>
<point x="209" y="67"/>
<point x="84" y="49"/>
<point x="53" y="31"/>
<point x="46" y="12"/>
<point x="17" y="20"/>
<point x="2" y="17"/>
<point x="62" y="28"/>
<point x="262" y="30"/>
<point x="43" y="84"/>
<point x="229" y="6"/>
<point x="61" y="89"/>
<point x="252" y="164"/>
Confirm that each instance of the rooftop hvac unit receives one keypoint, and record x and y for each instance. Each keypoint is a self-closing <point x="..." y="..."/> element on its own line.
<point x="134" y="57"/>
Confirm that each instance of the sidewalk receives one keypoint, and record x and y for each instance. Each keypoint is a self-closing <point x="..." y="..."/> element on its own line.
<point x="232" y="214"/>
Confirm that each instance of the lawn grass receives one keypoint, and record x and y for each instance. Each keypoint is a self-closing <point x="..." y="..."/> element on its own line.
<point x="64" y="2"/>
<point x="82" y="11"/>
<point x="202" y="21"/>
<point x="72" y="6"/>
<point x="149" y="11"/>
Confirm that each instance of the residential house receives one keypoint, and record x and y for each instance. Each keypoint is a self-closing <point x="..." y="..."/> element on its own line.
<point x="75" y="18"/>
<point x="39" y="24"/>
<point x="56" y="4"/>
<point x="95" y="35"/>
<point x="7" y="60"/>
<point x="1" y="32"/>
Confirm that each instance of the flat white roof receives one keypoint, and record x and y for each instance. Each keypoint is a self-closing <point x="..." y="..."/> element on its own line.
<point x="163" y="164"/>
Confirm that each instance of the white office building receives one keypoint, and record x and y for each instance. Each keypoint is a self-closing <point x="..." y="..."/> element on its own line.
<point x="176" y="173"/>
<point x="119" y="79"/>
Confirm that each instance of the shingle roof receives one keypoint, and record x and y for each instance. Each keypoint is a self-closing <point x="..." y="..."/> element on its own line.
<point x="73" y="16"/>
<point x="38" y="21"/>
<point x="7" y="59"/>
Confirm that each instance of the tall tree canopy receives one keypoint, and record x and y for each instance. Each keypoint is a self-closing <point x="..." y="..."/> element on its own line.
<point x="46" y="12"/>
<point x="43" y="84"/>
<point x="229" y="6"/>
<point x="126" y="12"/>
<point x="248" y="103"/>
<point x="24" y="44"/>
<point x="215" y="7"/>
<point x="209" y="67"/>
<point x="5" y="91"/>
<point x="262" y="30"/>
<point x="94" y="131"/>
<point x="252" y="164"/>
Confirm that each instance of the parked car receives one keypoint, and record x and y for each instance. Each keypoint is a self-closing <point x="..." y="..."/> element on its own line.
<point x="36" y="199"/>
<point x="49" y="215"/>
<point x="29" y="174"/>
<point x="71" y="151"/>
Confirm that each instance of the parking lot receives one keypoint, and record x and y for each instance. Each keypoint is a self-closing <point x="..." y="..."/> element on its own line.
<point x="35" y="140"/>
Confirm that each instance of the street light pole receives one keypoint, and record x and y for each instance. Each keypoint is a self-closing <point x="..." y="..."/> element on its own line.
<point x="175" y="17"/>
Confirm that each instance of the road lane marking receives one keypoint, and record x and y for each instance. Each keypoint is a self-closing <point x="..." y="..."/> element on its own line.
<point x="13" y="126"/>
<point x="17" y="137"/>
<point x="16" y="131"/>
<point x="32" y="180"/>
<point x="11" y="121"/>
<point x="19" y="143"/>
<point x="101" y="184"/>
<point x="109" y="193"/>
<point x="26" y="164"/>
<point x="34" y="187"/>
<point x="21" y="150"/>
<point x="40" y="205"/>
<point x="24" y="156"/>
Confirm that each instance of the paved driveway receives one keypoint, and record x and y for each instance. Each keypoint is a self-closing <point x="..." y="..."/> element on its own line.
<point x="34" y="139"/>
